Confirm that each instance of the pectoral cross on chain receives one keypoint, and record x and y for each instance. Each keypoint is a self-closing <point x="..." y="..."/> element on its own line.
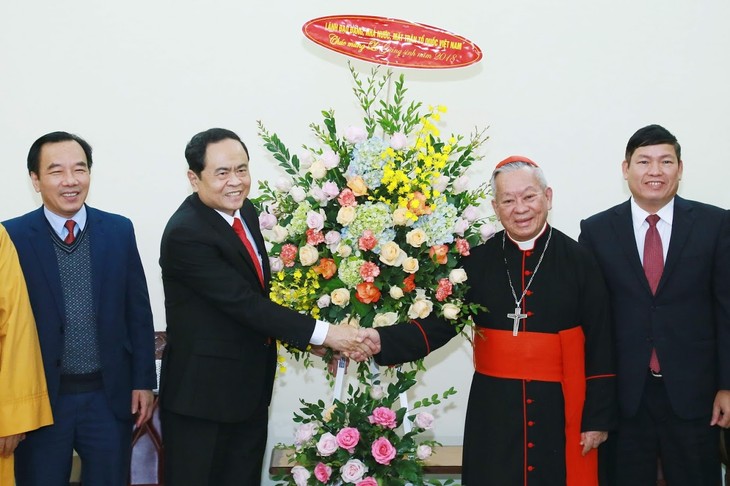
<point x="516" y="319"/>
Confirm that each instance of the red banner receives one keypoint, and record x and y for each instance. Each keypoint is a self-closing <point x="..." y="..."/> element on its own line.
<point x="392" y="42"/>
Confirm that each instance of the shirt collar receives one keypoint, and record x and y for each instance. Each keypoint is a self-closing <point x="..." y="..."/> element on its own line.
<point x="229" y="219"/>
<point x="529" y="244"/>
<point x="57" y="221"/>
<point x="638" y="215"/>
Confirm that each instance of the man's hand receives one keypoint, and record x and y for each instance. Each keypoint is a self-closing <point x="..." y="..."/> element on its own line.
<point x="721" y="409"/>
<point x="346" y="339"/>
<point x="9" y="443"/>
<point x="591" y="440"/>
<point x="142" y="405"/>
<point x="371" y="339"/>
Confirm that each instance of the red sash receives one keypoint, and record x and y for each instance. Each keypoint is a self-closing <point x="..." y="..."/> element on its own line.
<point x="545" y="357"/>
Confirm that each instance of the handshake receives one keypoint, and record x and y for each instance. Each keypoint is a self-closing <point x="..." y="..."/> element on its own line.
<point x="356" y="343"/>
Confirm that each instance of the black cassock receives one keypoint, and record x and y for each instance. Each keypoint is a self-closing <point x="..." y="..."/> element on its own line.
<point x="514" y="433"/>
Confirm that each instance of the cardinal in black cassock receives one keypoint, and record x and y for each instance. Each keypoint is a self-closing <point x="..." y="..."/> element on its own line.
<point x="543" y="393"/>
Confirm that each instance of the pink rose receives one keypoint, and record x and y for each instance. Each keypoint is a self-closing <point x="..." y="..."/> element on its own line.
<point x="330" y="159"/>
<point x="368" y="481"/>
<point x="353" y="471"/>
<point x="444" y="289"/>
<point x="424" y="420"/>
<point x="460" y="184"/>
<point x="267" y="221"/>
<point x="355" y="134"/>
<point x="460" y="226"/>
<point x="318" y="194"/>
<point x="424" y="452"/>
<point x="327" y="445"/>
<point x="300" y="475"/>
<point x="487" y="231"/>
<point x="398" y="141"/>
<point x="347" y="198"/>
<point x="330" y="190"/>
<point x="298" y="194"/>
<point x="276" y="264"/>
<point x="462" y="246"/>
<point x="367" y="241"/>
<point x="348" y="438"/>
<point x="305" y="159"/>
<point x="315" y="220"/>
<point x="368" y="271"/>
<point x="383" y="451"/>
<point x="283" y="184"/>
<point x="332" y="237"/>
<point x="470" y="214"/>
<point x="383" y="416"/>
<point x="322" y="472"/>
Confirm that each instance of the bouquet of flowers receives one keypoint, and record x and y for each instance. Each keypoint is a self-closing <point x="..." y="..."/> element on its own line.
<point x="357" y="442"/>
<point x="367" y="227"/>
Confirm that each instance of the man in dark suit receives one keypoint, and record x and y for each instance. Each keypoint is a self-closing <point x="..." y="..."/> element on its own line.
<point x="219" y="363"/>
<point x="89" y="296"/>
<point x="669" y="280"/>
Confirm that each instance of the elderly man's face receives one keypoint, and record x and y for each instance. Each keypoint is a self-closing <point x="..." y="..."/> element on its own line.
<point x="521" y="204"/>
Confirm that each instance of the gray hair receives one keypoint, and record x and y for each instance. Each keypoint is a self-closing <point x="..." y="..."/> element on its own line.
<point x="515" y="166"/>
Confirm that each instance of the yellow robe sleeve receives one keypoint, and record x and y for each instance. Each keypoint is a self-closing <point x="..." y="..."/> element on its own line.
<point x="24" y="404"/>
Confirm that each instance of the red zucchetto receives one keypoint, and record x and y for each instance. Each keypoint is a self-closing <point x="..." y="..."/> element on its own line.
<point x="515" y="158"/>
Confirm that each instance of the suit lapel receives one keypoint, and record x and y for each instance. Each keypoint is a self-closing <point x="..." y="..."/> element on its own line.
<point x="224" y="230"/>
<point x="42" y="243"/>
<point x="682" y="223"/>
<point x="624" y="227"/>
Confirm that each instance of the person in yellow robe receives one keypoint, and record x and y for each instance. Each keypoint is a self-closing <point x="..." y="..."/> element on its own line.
<point x="24" y="404"/>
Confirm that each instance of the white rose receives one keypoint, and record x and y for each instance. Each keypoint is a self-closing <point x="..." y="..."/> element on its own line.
<point x="353" y="471"/>
<point x="410" y="265"/>
<point x="398" y="141"/>
<point x="396" y="292"/>
<point x="457" y="276"/>
<point x="400" y="217"/>
<point x="460" y="184"/>
<point x="298" y="194"/>
<point x="305" y="432"/>
<point x="460" y="226"/>
<point x="424" y="452"/>
<point x="377" y="392"/>
<point x="424" y="420"/>
<point x="305" y="159"/>
<point x="323" y="301"/>
<point x="441" y="183"/>
<point x="470" y="214"/>
<point x="318" y="170"/>
<point x="283" y="184"/>
<point x="385" y="319"/>
<point x="300" y="475"/>
<point x="308" y="255"/>
<point x="278" y="234"/>
<point x="391" y="254"/>
<point x="346" y="215"/>
<point x="344" y="251"/>
<point x="416" y="237"/>
<point x="355" y="134"/>
<point x="420" y="309"/>
<point x="451" y="311"/>
<point x="330" y="159"/>
<point x="340" y="297"/>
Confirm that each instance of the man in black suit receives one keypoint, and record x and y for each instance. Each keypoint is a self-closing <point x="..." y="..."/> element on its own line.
<point x="219" y="363"/>
<point x="671" y="318"/>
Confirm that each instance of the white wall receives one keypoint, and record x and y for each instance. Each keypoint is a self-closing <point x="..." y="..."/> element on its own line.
<point x="563" y="82"/>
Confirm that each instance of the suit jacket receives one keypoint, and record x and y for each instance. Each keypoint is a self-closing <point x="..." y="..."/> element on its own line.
<point x="121" y="302"/>
<point x="687" y="321"/>
<point x="220" y="358"/>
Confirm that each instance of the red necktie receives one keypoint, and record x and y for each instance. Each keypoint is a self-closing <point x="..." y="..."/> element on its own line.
<point x="653" y="268"/>
<point x="238" y="228"/>
<point x="70" y="224"/>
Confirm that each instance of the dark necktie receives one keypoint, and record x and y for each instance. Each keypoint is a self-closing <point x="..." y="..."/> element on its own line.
<point x="238" y="228"/>
<point x="653" y="268"/>
<point x="70" y="224"/>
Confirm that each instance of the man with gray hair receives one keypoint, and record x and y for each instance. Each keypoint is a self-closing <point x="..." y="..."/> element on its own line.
<point x="542" y="397"/>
